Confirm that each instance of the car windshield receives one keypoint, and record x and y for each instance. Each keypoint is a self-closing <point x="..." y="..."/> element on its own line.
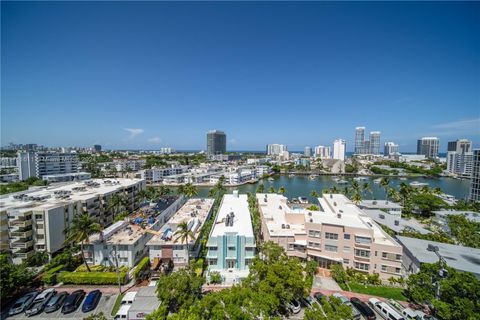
<point x="53" y="300"/>
<point x="17" y="305"/>
<point x="90" y="298"/>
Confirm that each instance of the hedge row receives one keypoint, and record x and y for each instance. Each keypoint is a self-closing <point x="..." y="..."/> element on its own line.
<point x="91" y="277"/>
<point x="50" y="277"/>
<point x="142" y="266"/>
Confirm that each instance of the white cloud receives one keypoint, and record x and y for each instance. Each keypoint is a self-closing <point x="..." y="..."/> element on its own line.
<point x="460" y="124"/>
<point x="155" y="140"/>
<point x="133" y="132"/>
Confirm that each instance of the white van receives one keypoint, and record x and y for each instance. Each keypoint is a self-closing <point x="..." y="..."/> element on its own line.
<point x="128" y="297"/>
<point x="386" y="311"/>
<point x="122" y="313"/>
<point x="410" y="314"/>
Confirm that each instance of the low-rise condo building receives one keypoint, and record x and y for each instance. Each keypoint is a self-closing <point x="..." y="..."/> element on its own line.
<point x="338" y="233"/>
<point x="155" y="175"/>
<point x="165" y="247"/>
<point x="127" y="240"/>
<point x="37" y="218"/>
<point x="231" y="244"/>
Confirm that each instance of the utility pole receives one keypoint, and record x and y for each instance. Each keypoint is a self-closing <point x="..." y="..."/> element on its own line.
<point x="443" y="272"/>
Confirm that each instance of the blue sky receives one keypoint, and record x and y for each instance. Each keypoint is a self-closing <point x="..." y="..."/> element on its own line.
<point x="153" y="74"/>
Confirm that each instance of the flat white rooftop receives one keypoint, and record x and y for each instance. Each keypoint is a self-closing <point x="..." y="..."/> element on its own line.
<point x="242" y="222"/>
<point x="52" y="196"/>
<point x="274" y="207"/>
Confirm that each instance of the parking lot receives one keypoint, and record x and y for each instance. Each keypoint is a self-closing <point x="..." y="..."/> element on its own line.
<point x="105" y="305"/>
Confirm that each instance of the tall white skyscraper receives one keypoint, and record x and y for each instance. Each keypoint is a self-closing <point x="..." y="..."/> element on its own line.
<point x="374" y="142"/>
<point x="359" y="140"/>
<point x="322" y="152"/>
<point x="308" y="152"/>
<point x="276" y="149"/>
<point x="339" y="147"/>
<point x="475" y="182"/>
<point x="460" y="157"/>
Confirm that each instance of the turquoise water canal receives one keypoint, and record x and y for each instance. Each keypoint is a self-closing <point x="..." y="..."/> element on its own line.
<point x="297" y="186"/>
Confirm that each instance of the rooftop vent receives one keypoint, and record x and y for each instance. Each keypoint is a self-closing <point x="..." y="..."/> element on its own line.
<point x="311" y="220"/>
<point x="288" y="226"/>
<point x="283" y="225"/>
<point x="397" y="222"/>
<point x="280" y="207"/>
<point x="334" y="204"/>
<point x="309" y="213"/>
<point x="339" y="215"/>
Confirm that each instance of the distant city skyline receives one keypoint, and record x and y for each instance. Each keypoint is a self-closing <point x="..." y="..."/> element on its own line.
<point x="299" y="74"/>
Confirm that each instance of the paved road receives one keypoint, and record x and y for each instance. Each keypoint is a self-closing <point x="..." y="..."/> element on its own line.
<point x="105" y="305"/>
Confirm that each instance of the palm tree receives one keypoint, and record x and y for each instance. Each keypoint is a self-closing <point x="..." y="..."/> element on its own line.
<point x="366" y="187"/>
<point x="357" y="198"/>
<point x="384" y="182"/>
<point x="314" y="194"/>
<point x="142" y="195"/>
<point x="425" y="189"/>
<point x="334" y="189"/>
<point x="355" y="186"/>
<point x="261" y="188"/>
<point x="271" y="189"/>
<point x="282" y="190"/>
<point x="189" y="190"/>
<point x="218" y="189"/>
<point x="404" y="192"/>
<point x="437" y="190"/>
<point x="184" y="233"/>
<point x="346" y="191"/>
<point x="82" y="227"/>
<point x="117" y="202"/>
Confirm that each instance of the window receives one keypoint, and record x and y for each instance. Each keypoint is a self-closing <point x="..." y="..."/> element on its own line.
<point x="290" y="246"/>
<point x="362" y="266"/>
<point x="38" y="217"/>
<point x="105" y="247"/>
<point x="398" y="257"/>
<point x="397" y="270"/>
<point x="384" y="268"/>
<point x="347" y="249"/>
<point x="346" y="236"/>
<point x="384" y="255"/>
<point x="248" y="249"/>
<point x="40" y="236"/>
<point x="364" y="240"/>
<point x="314" y="244"/>
<point x="248" y="262"/>
<point x="330" y="248"/>
<point x="212" y="262"/>
<point x="331" y="236"/>
<point x="314" y="233"/>
<point x="346" y="261"/>
<point x="362" y="253"/>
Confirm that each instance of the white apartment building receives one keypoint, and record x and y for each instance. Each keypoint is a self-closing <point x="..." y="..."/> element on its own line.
<point x="231" y="243"/>
<point x="428" y="146"/>
<point x="167" y="150"/>
<point x="340" y="233"/>
<point x="460" y="163"/>
<point x="128" y="164"/>
<point x="391" y="149"/>
<point x="339" y="148"/>
<point x="127" y="240"/>
<point x="37" y="218"/>
<point x="164" y="247"/>
<point x="276" y="149"/>
<point x="156" y="175"/>
<point x="322" y="152"/>
<point x="8" y="162"/>
<point x="66" y="177"/>
<point x="39" y="164"/>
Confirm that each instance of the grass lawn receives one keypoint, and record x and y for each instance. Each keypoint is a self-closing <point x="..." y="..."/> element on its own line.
<point x="116" y="306"/>
<point x="380" y="291"/>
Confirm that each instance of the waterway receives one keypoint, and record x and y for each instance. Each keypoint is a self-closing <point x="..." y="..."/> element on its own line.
<point x="297" y="186"/>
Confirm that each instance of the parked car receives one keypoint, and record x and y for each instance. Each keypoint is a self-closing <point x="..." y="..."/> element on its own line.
<point x="55" y="302"/>
<point x="73" y="301"/>
<point x="39" y="302"/>
<point x="129" y="297"/>
<point x="294" y="306"/>
<point x="364" y="309"/>
<point x="355" y="313"/>
<point x="385" y="310"/>
<point x="318" y="296"/>
<point x="91" y="300"/>
<point x="23" y="303"/>
<point x="122" y="313"/>
<point x="310" y="302"/>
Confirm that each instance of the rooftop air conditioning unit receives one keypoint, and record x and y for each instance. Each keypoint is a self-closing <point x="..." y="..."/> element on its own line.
<point x="309" y="213"/>
<point x="339" y="215"/>
<point x="283" y="226"/>
<point x="311" y="220"/>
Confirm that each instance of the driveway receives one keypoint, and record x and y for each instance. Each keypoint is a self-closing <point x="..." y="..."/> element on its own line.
<point x="323" y="280"/>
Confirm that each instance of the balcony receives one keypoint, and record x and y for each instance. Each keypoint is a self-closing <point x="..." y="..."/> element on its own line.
<point x="361" y="259"/>
<point x="21" y="234"/>
<point x="22" y="244"/>
<point x="362" y="245"/>
<point x="20" y="223"/>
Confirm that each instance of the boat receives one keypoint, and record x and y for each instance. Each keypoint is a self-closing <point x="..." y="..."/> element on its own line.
<point x="291" y="175"/>
<point x="313" y="177"/>
<point x="377" y="181"/>
<point x="417" y="184"/>
<point x="403" y="179"/>
<point x="360" y="179"/>
<point x="271" y="179"/>
<point x="341" y="181"/>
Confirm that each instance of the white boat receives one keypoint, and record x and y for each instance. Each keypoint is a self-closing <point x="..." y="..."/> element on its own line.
<point x="271" y="179"/>
<point x="403" y="179"/>
<point x="377" y="181"/>
<point x="417" y="184"/>
<point x="291" y="175"/>
<point x="360" y="179"/>
<point x="341" y="181"/>
<point x="312" y="177"/>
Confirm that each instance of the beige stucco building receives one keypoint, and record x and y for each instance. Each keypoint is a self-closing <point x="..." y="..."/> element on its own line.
<point x="339" y="233"/>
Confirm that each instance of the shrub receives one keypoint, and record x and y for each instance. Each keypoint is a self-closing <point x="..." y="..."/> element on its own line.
<point x="215" y="277"/>
<point x="91" y="277"/>
<point x="50" y="277"/>
<point x="142" y="266"/>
